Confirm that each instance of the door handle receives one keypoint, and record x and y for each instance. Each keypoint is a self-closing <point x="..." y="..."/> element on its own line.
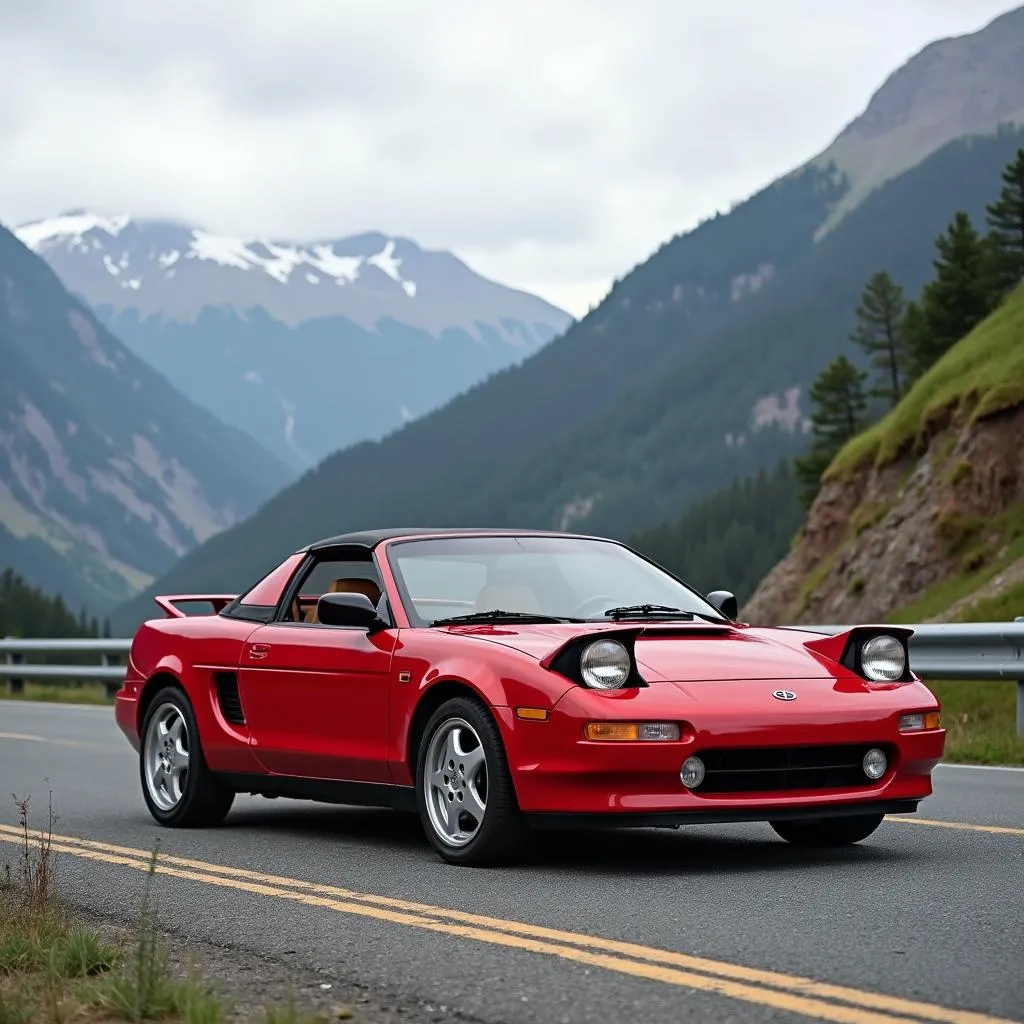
<point x="258" y="651"/>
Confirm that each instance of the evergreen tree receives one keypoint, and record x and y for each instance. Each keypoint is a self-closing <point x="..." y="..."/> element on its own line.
<point x="879" y="320"/>
<point x="839" y="413"/>
<point x="1006" y="230"/>
<point x="959" y="296"/>
<point x="26" y="611"/>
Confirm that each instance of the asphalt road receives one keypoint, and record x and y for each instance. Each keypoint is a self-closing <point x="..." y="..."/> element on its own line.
<point x="713" y="923"/>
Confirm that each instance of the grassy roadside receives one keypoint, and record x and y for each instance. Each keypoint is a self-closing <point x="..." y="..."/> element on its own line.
<point x="56" y="970"/>
<point x="980" y="717"/>
<point x="980" y="721"/>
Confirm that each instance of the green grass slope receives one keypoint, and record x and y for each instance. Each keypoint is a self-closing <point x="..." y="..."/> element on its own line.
<point x="980" y="375"/>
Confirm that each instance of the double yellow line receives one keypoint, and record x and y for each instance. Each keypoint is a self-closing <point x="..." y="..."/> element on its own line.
<point x="784" y="992"/>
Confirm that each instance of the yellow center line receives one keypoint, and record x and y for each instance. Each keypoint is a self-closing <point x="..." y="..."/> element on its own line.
<point x="767" y="988"/>
<point x="1005" y="830"/>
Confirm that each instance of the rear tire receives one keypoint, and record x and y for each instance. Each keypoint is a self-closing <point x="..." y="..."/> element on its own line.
<point x="827" y="832"/>
<point x="178" y="787"/>
<point x="462" y="771"/>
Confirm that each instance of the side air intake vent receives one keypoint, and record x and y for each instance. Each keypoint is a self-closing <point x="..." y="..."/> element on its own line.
<point x="228" y="697"/>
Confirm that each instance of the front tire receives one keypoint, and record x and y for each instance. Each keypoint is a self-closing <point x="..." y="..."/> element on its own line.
<point x="826" y="832"/>
<point x="464" y="790"/>
<point x="178" y="787"/>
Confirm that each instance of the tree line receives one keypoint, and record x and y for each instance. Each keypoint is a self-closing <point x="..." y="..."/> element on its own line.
<point x="903" y="338"/>
<point x="27" y="612"/>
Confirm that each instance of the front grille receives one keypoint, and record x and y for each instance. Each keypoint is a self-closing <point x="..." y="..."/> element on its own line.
<point x="764" y="769"/>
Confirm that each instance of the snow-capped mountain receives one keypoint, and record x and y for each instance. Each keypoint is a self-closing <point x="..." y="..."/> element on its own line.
<point x="307" y="345"/>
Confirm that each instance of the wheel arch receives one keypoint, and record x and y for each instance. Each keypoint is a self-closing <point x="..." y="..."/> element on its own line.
<point x="153" y="685"/>
<point x="430" y="700"/>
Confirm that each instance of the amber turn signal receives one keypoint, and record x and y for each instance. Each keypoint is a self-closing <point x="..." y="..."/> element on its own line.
<point x="631" y="731"/>
<point x="532" y="714"/>
<point x="920" y="720"/>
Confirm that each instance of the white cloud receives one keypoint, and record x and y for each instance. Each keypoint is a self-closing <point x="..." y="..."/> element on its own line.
<point x="552" y="145"/>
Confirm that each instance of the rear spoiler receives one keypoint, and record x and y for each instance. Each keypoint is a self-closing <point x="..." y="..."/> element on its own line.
<point x="169" y="602"/>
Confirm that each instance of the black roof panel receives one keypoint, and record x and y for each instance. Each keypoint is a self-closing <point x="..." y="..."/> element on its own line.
<point x="371" y="538"/>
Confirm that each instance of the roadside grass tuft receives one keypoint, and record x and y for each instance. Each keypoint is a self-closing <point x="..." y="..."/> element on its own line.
<point x="57" y="971"/>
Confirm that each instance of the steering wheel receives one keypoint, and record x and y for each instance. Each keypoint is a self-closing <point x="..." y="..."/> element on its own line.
<point x="606" y="602"/>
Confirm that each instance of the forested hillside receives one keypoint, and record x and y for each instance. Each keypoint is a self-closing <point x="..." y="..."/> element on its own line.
<point x="919" y="514"/>
<point x="25" y="611"/>
<point x="688" y="376"/>
<point x="730" y="539"/>
<point x="107" y="474"/>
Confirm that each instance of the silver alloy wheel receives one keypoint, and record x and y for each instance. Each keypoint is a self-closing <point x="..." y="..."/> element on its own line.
<point x="166" y="756"/>
<point x="455" y="782"/>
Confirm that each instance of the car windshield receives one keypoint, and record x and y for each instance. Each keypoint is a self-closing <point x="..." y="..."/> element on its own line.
<point x="543" y="577"/>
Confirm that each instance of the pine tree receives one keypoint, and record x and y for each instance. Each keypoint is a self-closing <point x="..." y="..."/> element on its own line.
<point x="879" y="320"/>
<point x="839" y="413"/>
<point x="957" y="299"/>
<point x="1005" y="219"/>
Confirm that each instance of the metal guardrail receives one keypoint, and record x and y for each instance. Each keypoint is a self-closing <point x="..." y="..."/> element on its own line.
<point x="968" y="651"/>
<point x="16" y="670"/>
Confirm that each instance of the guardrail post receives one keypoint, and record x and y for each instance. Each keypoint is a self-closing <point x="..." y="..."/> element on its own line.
<point x="109" y="687"/>
<point x="15" y="686"/>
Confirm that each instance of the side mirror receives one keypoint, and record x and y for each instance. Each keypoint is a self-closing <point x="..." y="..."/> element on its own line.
<point x="725" y="602"/>
<point x="347" y="610"/>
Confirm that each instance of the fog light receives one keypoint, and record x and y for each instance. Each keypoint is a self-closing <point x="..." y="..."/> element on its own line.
<point x="874" y="763"/>
<point x="692" y="772"/>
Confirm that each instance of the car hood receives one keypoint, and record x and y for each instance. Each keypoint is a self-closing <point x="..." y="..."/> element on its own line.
<point x="677" y="653"/>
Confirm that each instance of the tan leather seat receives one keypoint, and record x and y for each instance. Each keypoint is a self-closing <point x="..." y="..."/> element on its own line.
<point x="509" y="597"/>
<point x="349" y="585"/>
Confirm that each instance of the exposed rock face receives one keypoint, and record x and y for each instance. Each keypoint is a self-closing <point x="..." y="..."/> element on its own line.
<point x="876" y="540"/>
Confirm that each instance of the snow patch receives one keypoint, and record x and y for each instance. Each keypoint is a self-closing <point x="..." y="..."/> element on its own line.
<point x="385" y="260"/>
<point x="344" y="268"/>
<point x="252" y="377"/>
<point x="167" y="259"/>
<point x="228" y="252"/>
<point x="70" y="226"/>
<point x="312" y="279"/>
<point x="409" y="287"/>
<point x="111" y="266"/>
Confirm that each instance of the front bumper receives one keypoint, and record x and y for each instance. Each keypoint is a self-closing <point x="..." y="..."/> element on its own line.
<point x="558" y="772"/>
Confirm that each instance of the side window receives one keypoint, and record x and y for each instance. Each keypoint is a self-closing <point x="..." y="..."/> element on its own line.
<point x="346" y="572"/>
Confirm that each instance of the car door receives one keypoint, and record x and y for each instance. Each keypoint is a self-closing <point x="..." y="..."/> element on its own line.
<point x="317" y="700"/>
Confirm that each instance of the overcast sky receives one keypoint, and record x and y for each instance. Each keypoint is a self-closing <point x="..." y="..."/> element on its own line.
<point x="553" y="144"/>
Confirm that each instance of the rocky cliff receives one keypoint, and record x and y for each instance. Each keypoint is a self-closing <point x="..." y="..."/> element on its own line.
<point x="923" y="516"/>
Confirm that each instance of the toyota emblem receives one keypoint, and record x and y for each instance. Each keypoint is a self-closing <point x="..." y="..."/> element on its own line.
<point x="784" y="695"/>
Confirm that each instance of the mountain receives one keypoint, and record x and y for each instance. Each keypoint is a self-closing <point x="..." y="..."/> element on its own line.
<point x="952" y="88"/>
<point x="307" y="346"/>
<point x="690" y="374"/>
<point x="921" y="518"/>
<point x="107" y="474"/>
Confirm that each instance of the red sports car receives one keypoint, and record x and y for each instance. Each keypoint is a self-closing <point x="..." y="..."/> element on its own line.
<point x="496" y="681"/>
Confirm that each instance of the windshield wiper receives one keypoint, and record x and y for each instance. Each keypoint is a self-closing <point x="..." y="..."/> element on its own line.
<point x="647" y="611"/>
<point x="499" y="615"/>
